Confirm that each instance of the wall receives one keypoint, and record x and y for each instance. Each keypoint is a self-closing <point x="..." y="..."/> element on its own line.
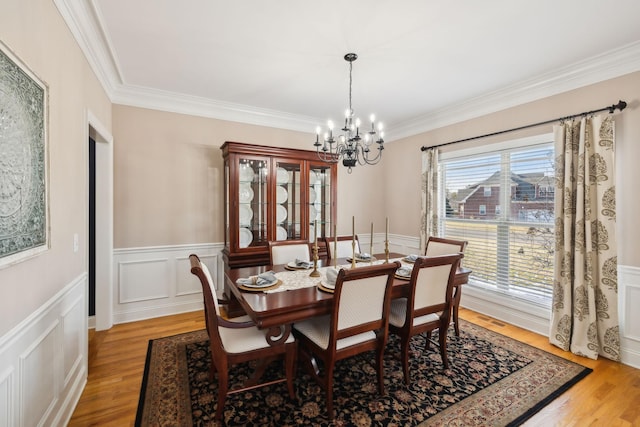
<point x="406" y="220"/>
<point x="43" y="299"/>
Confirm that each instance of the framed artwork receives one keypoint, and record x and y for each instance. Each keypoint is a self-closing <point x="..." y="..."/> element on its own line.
<point x="24" y="210"/>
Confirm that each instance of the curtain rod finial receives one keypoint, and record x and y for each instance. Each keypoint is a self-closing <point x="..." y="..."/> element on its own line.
<point x="621" y="105"/>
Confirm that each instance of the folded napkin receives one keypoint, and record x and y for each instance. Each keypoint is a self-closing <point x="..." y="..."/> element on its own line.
<point x="363" y="255"/>
<point x="303" y="264"/>
<point x="412" y="257"/>
<point x="332" y="275"/>
<point x="262" y="279"/>
<point x="404" y="271"/>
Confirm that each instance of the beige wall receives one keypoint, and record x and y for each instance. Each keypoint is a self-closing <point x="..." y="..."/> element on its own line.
<point x="402" y="164"/>
<point x="168" y="177"/>
<point x="36" y="33"/>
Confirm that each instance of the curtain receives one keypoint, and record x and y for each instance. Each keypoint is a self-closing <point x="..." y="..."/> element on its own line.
<point x="429" y="212"/>
<point x="584" y="317"/>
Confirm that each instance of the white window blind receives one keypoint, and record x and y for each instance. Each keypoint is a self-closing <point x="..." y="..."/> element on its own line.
<point x="499" y="201"/>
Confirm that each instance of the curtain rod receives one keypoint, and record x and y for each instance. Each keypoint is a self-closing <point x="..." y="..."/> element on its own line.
<point x="621" y="105"/>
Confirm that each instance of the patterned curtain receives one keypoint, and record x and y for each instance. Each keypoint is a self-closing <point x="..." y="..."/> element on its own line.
<point x="429" y="213"/>
<point x="584" y="317"/>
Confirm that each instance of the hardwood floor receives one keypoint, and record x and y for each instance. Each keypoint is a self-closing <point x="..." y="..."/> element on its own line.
<point x="610" y="396"/>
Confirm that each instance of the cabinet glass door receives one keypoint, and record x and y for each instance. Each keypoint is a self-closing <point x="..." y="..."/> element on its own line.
<point x="320" y="201"/>
<point x="288" y="200"/>
<point x="252" y="203"/>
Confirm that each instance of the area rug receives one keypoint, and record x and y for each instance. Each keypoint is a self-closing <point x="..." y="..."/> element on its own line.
<point x="492" y="380"/>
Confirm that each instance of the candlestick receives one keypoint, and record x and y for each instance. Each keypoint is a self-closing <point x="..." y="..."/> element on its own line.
<point x="315" y="272"/>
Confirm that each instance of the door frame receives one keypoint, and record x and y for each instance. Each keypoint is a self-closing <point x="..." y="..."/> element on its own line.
<point x="104" y="220"/>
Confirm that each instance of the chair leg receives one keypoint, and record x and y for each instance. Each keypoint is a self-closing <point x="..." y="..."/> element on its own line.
<point x="380" y="368"/>
<point x="223" y="388"/>
<point x="442" y="335"/>
<point x="328" y="383"/>
<point x="428" y="343"/>
<point x="404" y="344"/>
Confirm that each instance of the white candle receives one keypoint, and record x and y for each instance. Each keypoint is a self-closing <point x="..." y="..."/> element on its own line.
<point x="353" y="228"/>
<point x="371" y="241"/>
<point x="335" y="246"/>
<point x="315" y="229"/>
<point x="386" y="231"/>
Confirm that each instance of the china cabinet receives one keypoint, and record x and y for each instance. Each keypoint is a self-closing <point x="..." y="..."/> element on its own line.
<point x="273" y="193"/>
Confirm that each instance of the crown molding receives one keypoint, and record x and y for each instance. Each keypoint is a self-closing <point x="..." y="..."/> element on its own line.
<point x="83" y="19"/>
<point x="609" y="65"/>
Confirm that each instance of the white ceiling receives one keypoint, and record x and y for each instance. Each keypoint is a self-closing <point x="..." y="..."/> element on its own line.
<point x="421" y="63"/>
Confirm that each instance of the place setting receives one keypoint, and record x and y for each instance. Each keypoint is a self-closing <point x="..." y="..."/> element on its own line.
<point x="328" y="281"/>
<point x="299" y="264"/>
<point x="262" y="282"/>
<point x="403" y="273"/>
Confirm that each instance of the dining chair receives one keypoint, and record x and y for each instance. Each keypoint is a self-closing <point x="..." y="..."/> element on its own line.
<point x="442" y="246"/>
<point x="282" y="252"/>
<point x="427" y="306"/>
<point x="343" y="246"/>
<point x="358" y="323"/>
<point x="233" y="342"/>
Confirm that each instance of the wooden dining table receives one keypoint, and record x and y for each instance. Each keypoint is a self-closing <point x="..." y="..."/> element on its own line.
<point x="275" y="312"/>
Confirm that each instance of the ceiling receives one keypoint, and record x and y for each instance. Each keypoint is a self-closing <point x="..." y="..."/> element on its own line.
<point x="421" y="63"/>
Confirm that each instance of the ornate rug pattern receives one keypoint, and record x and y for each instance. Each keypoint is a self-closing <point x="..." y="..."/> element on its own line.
<point x="492" y="380"/>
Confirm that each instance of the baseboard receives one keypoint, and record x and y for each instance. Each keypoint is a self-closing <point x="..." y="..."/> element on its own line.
<point x="37" y="393"/>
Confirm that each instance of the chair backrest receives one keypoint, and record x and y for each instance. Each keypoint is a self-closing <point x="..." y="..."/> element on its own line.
<point x="282" y="252"/>
<point x="343" y="245"/>
<point x="437" y="246"/>
<point x="432" y="284"/>
<point x="361" y="300"/>
<point x="211" y="307"/>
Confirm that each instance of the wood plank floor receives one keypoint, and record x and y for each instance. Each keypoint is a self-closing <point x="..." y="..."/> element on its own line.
<point x="610" y="396"/>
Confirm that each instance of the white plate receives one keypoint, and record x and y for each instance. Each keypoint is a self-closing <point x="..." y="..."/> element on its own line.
<point x="246" y="193"/>
<point x="313" y="213"/>
<point x="281" y="214"/>
<point x="246" y="172"/>
<point x="246" y="237"/>
<point x="312" y="195"/>
<point x="313" y="178"/>
<point x="281" y="233"/>
<point x="282" y="176"/>
<point x="281" y="194"/>
<point x="246" y="214"/>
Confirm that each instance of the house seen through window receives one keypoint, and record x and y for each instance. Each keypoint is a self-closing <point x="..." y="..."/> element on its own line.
<point x="501" y="202"/>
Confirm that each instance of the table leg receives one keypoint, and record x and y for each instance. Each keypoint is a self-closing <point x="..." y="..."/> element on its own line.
<point x="278" y="334"/>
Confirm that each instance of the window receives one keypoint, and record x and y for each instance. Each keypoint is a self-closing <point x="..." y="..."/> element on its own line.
<point x="511" y="252"/>
<point x="487" y="191"/>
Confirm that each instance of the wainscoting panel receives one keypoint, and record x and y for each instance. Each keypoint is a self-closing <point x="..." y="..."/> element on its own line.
<point x="44" y="361"/>
<point x="157" y="281"/>
<point x="629" y="301"/>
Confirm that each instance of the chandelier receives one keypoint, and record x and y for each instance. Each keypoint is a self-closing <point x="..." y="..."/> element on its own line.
<point x="352" y="147"/>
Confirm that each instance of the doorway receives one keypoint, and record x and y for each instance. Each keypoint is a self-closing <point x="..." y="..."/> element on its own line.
<point x="100" y="223"/>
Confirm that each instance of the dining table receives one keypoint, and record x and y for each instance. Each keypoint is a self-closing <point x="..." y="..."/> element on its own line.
<point x="299" y="297"/>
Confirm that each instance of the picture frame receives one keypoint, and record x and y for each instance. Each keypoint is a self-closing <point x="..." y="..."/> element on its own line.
<point x="24" y="199"/>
